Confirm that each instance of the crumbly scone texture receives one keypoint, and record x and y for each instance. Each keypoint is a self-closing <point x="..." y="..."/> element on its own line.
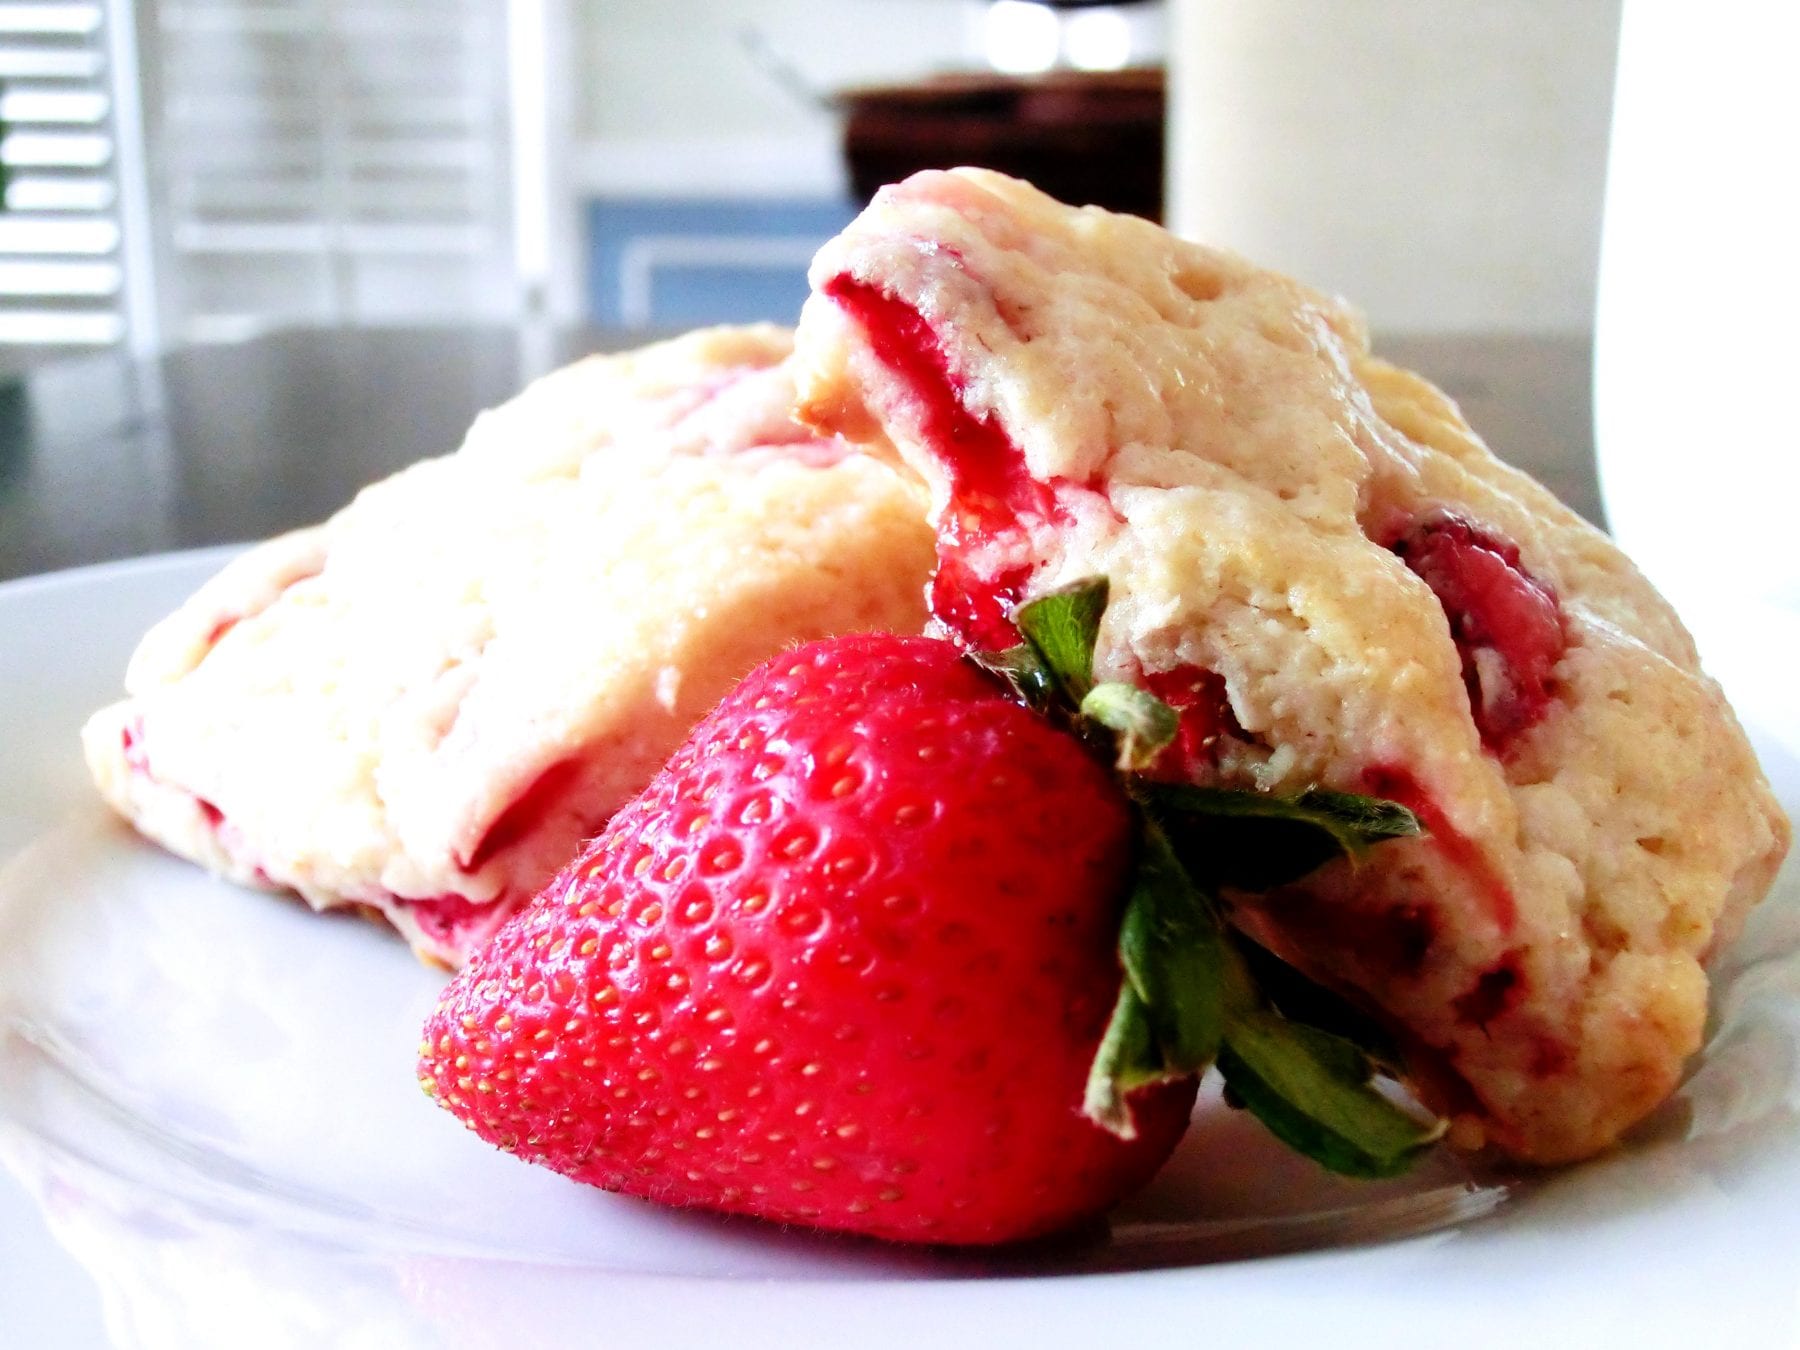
<point x="424" y="704"/>
<point x="1217" y="440"/>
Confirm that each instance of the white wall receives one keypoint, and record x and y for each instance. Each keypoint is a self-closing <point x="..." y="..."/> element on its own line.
<point x="1441" y="162"/>
<point x="670" y="100"/>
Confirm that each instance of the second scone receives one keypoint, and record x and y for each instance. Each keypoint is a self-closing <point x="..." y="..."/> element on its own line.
<point x="421" y="706"/>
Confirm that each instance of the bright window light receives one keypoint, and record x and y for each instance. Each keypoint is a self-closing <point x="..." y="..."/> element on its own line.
<point x="54" y="327"/>
<point x="58" y="236"/>
<point x="59" y="278"/>
<point x="1097" y="39"/>
<point x="32" y="105"/>
<point x="36" y="19"/>
<point x="1021" y="36"/>
<point x="59" y="194"/>
<point x="56" y="150"/>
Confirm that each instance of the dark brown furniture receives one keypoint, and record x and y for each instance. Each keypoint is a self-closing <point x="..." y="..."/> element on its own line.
<point x="1088" y="137"/>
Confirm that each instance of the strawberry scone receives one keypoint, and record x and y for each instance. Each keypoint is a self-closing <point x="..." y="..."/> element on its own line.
<point x="1326" y="571"/>
<point x="422" y="706"/>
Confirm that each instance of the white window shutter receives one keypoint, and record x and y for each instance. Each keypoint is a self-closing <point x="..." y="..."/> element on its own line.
<point x="62" y="253"/>
<point x="329" y="161"/>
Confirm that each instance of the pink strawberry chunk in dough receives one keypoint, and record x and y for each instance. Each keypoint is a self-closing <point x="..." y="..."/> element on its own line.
<point x="983" y="559"/>
<point x="1506" y="624"/>
<point x="421" y="707"/>
<point x="1346" y="589"/>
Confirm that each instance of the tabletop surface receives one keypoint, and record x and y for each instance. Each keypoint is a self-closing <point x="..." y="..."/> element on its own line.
<point x="103" y="458"/>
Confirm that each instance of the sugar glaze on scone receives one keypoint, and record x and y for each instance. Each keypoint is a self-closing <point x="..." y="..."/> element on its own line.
<point x="1326" y="570"/>
<point x="424" y="704"/>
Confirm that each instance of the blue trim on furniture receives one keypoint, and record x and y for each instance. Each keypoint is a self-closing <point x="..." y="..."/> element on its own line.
<point x="680" y="262"/>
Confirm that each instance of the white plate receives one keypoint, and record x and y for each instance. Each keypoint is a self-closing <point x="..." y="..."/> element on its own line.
<point x="210" y="1093"/>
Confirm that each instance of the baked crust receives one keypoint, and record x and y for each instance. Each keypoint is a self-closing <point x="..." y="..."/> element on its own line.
<point x="421" y="706"/>
<point x="1087" y="394"/>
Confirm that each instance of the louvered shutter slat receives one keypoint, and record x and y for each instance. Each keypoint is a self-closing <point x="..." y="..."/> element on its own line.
<point x="314" y="161"/>
<point x="327" y="161"/>
<point x="61" y="279"/>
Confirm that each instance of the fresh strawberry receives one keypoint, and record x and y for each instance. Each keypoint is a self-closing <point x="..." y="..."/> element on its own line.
<point x="846" y="962"/>
<point x="886" y="947"/>
<point x="1506" y="623"/>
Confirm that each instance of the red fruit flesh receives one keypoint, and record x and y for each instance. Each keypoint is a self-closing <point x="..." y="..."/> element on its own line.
<point x="975" y="610"/>
<point x="1397" y="784"/>
<point x="1506" y="623"/>
<point x="844" y="963"/>
<point x="284" y="582"/>
<point x="455" y="922"/>
<point x="137" y="759"/>
<point x="982" y="565"/>
<point x="1397" y="941"/>
<point x="1495" y="992"/>
<point x="524" y="814"/>
<point x="1198" y="697"/>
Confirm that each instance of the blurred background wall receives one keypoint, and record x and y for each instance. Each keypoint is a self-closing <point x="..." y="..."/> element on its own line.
<point x="199" y="170"/>
<point x="1442" y="163"/>
<point x="697" y="97"/>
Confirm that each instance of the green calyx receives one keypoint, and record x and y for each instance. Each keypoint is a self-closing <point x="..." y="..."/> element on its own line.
<point x="1196" y="993"/>
<point x="1144" y="724"/>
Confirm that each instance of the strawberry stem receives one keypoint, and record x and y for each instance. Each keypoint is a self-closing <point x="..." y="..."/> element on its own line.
<point x="1189" y="999"/>
<point x="1190" y="995"/>
<point x="1062" y="628"/>
<point x="1179" y="973"/>
<point x="1127" y="1060"/>
<point x="1313" y="1091"/>
<point x="1145" y="725"/>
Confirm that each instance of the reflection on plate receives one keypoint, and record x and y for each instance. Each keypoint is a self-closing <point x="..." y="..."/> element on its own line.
<point x="210" y="1094"/>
